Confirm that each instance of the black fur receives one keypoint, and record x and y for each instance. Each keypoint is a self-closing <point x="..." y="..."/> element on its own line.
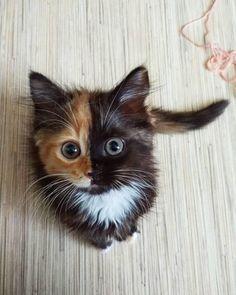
<point x="120" y="112"/>
<point x="167" y="121"/>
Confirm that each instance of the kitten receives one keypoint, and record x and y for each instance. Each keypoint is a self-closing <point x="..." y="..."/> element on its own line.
<point x="94" y="152"/>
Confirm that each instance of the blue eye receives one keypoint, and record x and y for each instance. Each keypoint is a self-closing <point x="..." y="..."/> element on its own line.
<point x="114" y="146"/>
<point x="70" y="150"/>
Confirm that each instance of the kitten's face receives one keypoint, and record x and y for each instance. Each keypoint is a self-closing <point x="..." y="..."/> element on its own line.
<point x="95" y="140"/>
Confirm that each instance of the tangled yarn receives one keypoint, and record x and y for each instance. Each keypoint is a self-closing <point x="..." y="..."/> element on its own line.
<point x="221" y="60"/>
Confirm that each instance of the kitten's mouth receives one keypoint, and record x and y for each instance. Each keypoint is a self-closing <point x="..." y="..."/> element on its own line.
<point x="94" y="187"/>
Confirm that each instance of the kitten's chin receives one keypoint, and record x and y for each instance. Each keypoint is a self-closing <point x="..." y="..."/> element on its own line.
<point x="95" y="189"/>
<point x="83" y="184"/>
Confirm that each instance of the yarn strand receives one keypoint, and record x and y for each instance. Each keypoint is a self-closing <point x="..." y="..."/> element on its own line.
<point x="221" y="60"/>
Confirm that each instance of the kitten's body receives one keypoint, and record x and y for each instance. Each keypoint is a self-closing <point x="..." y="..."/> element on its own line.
<point x="98" y="193"/>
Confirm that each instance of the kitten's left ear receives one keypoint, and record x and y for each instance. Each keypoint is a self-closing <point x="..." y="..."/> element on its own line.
<point x="44" y="92"/>
<point x="133" y="90"/>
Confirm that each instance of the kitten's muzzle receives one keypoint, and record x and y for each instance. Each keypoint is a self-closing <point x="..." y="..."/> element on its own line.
<point x="94" y="176"/>
<point x="90" y="175"/>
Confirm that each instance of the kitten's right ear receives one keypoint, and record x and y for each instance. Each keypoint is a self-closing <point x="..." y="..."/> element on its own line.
<point x="132" y="91"/>
<point x="44" y="92"/>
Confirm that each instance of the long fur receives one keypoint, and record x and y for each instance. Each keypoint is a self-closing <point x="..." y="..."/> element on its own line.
<point x="174" y="122"/>
<point x="123" y="187"/>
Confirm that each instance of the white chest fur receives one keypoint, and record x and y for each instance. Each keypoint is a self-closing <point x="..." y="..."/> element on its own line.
<point x="112" y="206"/>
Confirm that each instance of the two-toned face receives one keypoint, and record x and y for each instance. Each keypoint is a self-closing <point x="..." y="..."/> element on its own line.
<point x="94" y="152"/>
<point x="96" y="140"/>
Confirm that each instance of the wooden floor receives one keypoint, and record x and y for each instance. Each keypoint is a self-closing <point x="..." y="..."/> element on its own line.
<point x="188" y="242"/>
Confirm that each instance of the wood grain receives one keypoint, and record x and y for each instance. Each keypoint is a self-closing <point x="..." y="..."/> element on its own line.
<point x="188" y="242"/>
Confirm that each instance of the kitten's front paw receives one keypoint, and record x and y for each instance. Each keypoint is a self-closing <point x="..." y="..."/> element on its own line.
<point x="133" y="237"/>
<point x="107" y="249"/>
<point x="103" y="245"/>
<point x="131" y="234"/>
<point x="133" y="230"/>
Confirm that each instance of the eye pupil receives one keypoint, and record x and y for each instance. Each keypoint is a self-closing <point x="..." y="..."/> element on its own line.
<point x="70" y="150"/>
<point x="114" y="146"/>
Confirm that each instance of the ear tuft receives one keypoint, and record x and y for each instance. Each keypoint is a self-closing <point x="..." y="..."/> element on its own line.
<point x="132" y="90"/>
<point x="44" y="91"/>
<point x="136" y="84"/>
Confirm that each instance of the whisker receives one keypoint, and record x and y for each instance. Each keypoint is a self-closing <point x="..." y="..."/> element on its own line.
<point x="42" y="178"/>
<point x="69" y="199"/>
<point x="133" y="170"/>
<point x="63" y="199"/>
<point x="57" y="115"/>
<point x="44" y="201"/>
<point x="57" y="122"/>
<point x="54" y="195"/>
<point x="73" y="115"/>
<point x="114" y="98"/>
<point x="142" y="183"/>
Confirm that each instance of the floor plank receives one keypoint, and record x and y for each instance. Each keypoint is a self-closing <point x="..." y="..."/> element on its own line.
<point x="187" y="242"/>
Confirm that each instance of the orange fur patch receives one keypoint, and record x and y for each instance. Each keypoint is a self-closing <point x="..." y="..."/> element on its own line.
<point x="50" y="143"/>
<point x="165" y="126"/>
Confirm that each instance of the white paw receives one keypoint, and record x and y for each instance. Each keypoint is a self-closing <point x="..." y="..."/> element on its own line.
<point x="104" y="251"/>
<point x="133" y="238"/>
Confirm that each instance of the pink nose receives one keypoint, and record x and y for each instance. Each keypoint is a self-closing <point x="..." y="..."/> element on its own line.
<point x="90" y="174"/>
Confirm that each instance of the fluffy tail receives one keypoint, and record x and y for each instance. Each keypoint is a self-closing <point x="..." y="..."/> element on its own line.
<point x="173" y="122"/>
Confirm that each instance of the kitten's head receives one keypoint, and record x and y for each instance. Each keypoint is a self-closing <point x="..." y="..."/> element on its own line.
<point x="95" y="140"/>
